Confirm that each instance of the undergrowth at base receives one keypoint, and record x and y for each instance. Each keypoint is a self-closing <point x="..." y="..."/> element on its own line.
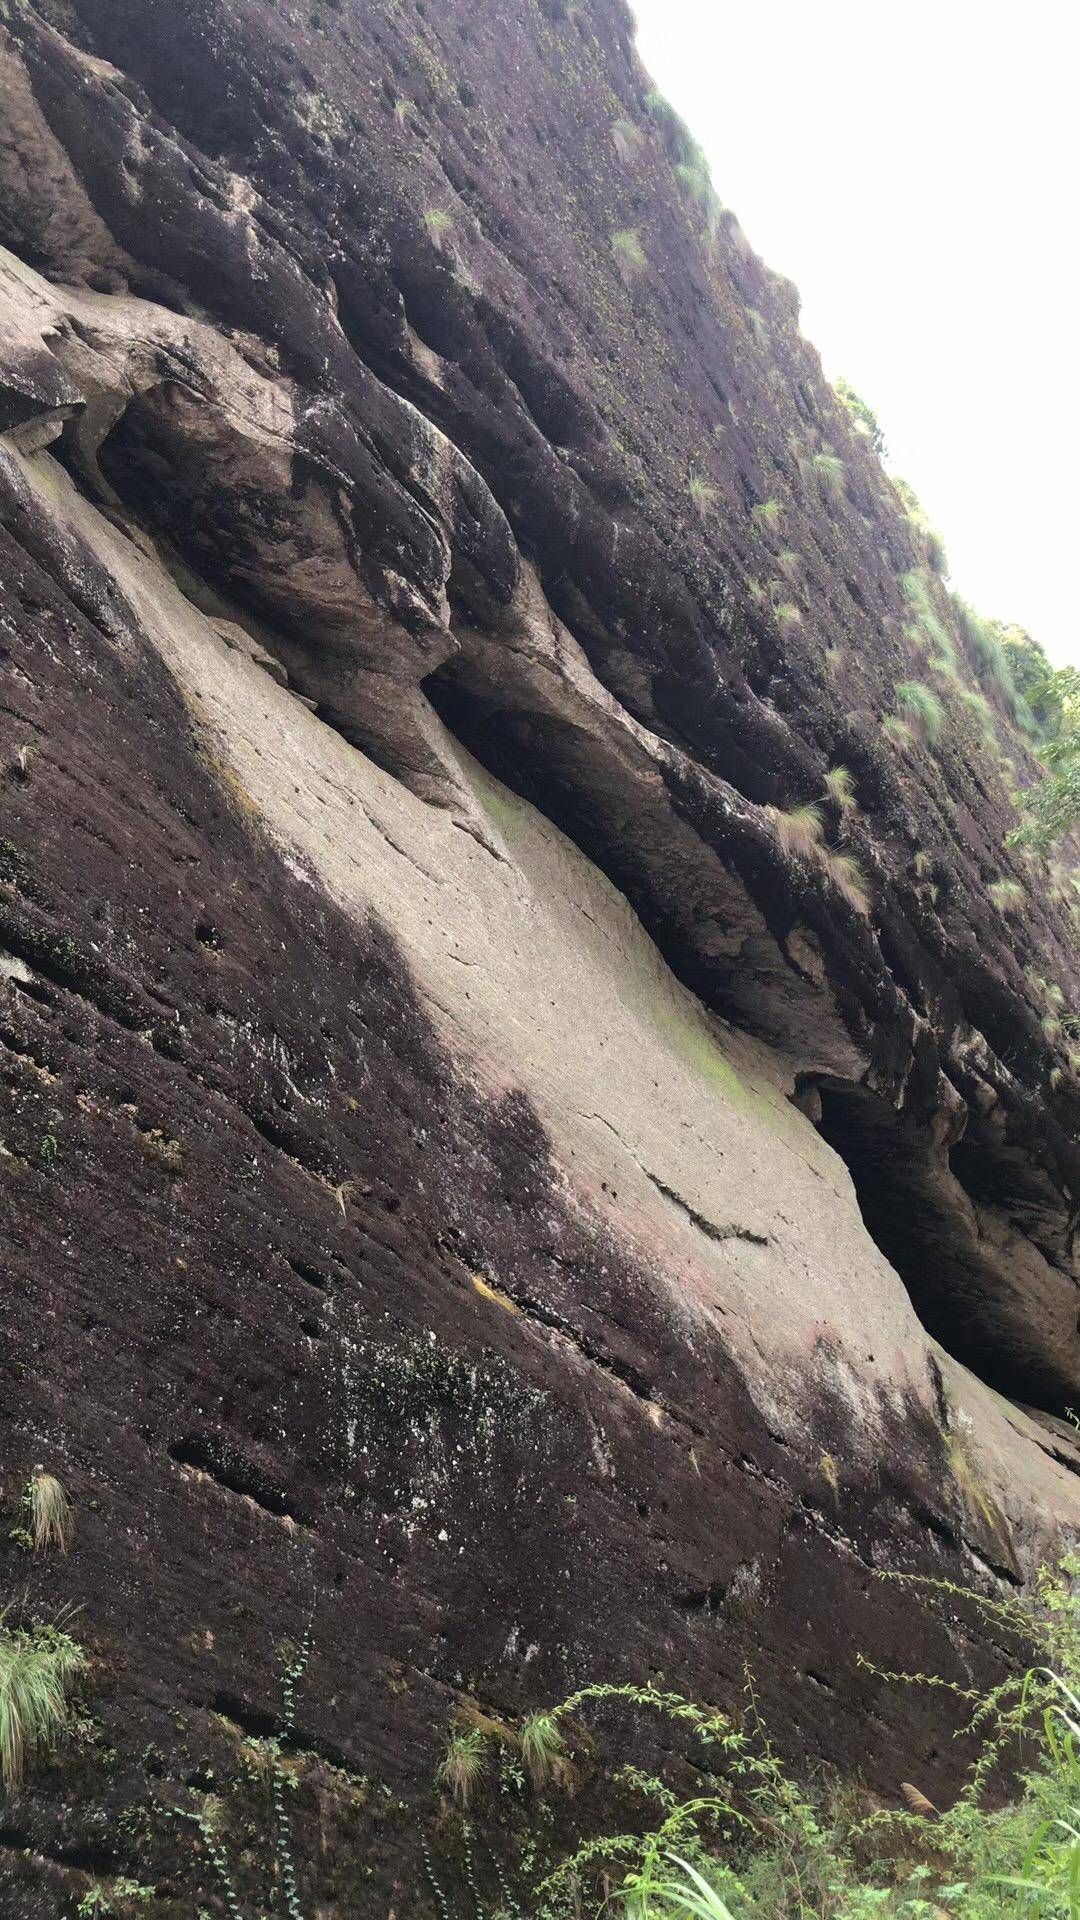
<point x="751" y="1844"/>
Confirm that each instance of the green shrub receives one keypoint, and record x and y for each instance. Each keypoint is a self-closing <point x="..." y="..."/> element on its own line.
<point x="1052" y="808"/>
<point x="752" y="1844"/>
<point x="921" y="710"/>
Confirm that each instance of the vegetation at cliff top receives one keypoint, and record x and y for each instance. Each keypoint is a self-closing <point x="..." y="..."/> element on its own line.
<point x="863" y="417"/>
<point x="1052" y="808"/>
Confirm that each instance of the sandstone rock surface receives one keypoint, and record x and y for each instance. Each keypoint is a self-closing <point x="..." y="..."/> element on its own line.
<point x="466" y="1180"/>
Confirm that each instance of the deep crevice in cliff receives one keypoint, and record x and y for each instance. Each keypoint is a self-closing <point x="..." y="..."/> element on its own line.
<point x="958" y="1232"/>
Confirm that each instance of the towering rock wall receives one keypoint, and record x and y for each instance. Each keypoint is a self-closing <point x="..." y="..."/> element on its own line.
<point x="477" y="1175"/>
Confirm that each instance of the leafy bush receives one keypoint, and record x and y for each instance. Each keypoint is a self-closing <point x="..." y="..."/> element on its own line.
<point x="751" y="1844"/>
<point x="1053" y="807"/>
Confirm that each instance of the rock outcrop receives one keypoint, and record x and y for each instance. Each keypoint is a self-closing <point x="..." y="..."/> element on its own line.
<point x="477" y="1175"/>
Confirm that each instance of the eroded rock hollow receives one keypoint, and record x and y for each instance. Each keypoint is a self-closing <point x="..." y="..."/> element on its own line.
<point x="477" y="1176"/>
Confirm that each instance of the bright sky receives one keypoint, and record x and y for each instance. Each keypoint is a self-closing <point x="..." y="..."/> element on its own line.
<point x="915" y="171"/>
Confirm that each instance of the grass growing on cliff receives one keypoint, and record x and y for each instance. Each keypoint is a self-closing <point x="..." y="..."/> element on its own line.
<point x="39" y="1666"/>
<point x="752" y="1844"/>
<point x="629" y="252"/>
<point x="49" y="1511"/>
<point x="921" y="710"/>
<point x="830" y="472"/>
<point x="799" y="829"/>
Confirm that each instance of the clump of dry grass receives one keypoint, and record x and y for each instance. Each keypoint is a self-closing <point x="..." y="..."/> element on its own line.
<point x="799" y="829"/>
<point x="51" y="1519"/>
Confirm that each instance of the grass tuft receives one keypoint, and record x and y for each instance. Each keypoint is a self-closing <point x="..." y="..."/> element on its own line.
<point x="626" y="139"/>
<point x="629" y="252"/>
<point x="840" y="787"/>
<point x="921" y="710"/>
<point x="1007" y="895"/>
<point x="463" y="1763"/>
<point x="438" y="224"/>
<point x="830" y="472"/>
<point x="847" y="875"/>
<point x="799" y="829"/>
<point x="38" y="1667"/>
<point x="51" y="1520"/>
<point x="897" y="730"/>
<point x="701" y="493"/>
<point x="767" y="512"/>
<point x="543" y="1749"/>
<point x="913" y="588"/>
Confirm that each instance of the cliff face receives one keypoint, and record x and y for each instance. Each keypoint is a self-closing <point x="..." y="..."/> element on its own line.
<point x="476" y="1173"/>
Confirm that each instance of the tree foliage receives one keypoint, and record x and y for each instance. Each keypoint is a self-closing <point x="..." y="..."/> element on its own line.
<point x="1053" y="807"/>
<point x="862" y="415"/>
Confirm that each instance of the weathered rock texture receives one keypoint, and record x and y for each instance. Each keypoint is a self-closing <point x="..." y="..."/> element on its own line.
<point x="429" y="1079"/>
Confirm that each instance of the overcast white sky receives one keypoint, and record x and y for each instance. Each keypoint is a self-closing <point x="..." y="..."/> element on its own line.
<point x="915" y="171"/>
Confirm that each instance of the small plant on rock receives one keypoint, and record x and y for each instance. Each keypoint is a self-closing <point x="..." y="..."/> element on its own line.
<point x="850" y="880"/>
<point x="921" y="710"/>
<point x="629" y="252"/>
<point x="830" y="472"/>
<point x="701" y="493"/>
<point x="39" y="1666"/>
<point x="49" y="1511"/>
<point x="626" y="139"/>
<point x="840" y="788"/>
<point x="799" y="830"/>
<point x="438" y="224"/>
<point x="543" y="1749"/>
<point x="462" y="1765"/>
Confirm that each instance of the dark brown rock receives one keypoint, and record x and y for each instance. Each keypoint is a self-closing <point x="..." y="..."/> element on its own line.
<point x="424" y="1066"/>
